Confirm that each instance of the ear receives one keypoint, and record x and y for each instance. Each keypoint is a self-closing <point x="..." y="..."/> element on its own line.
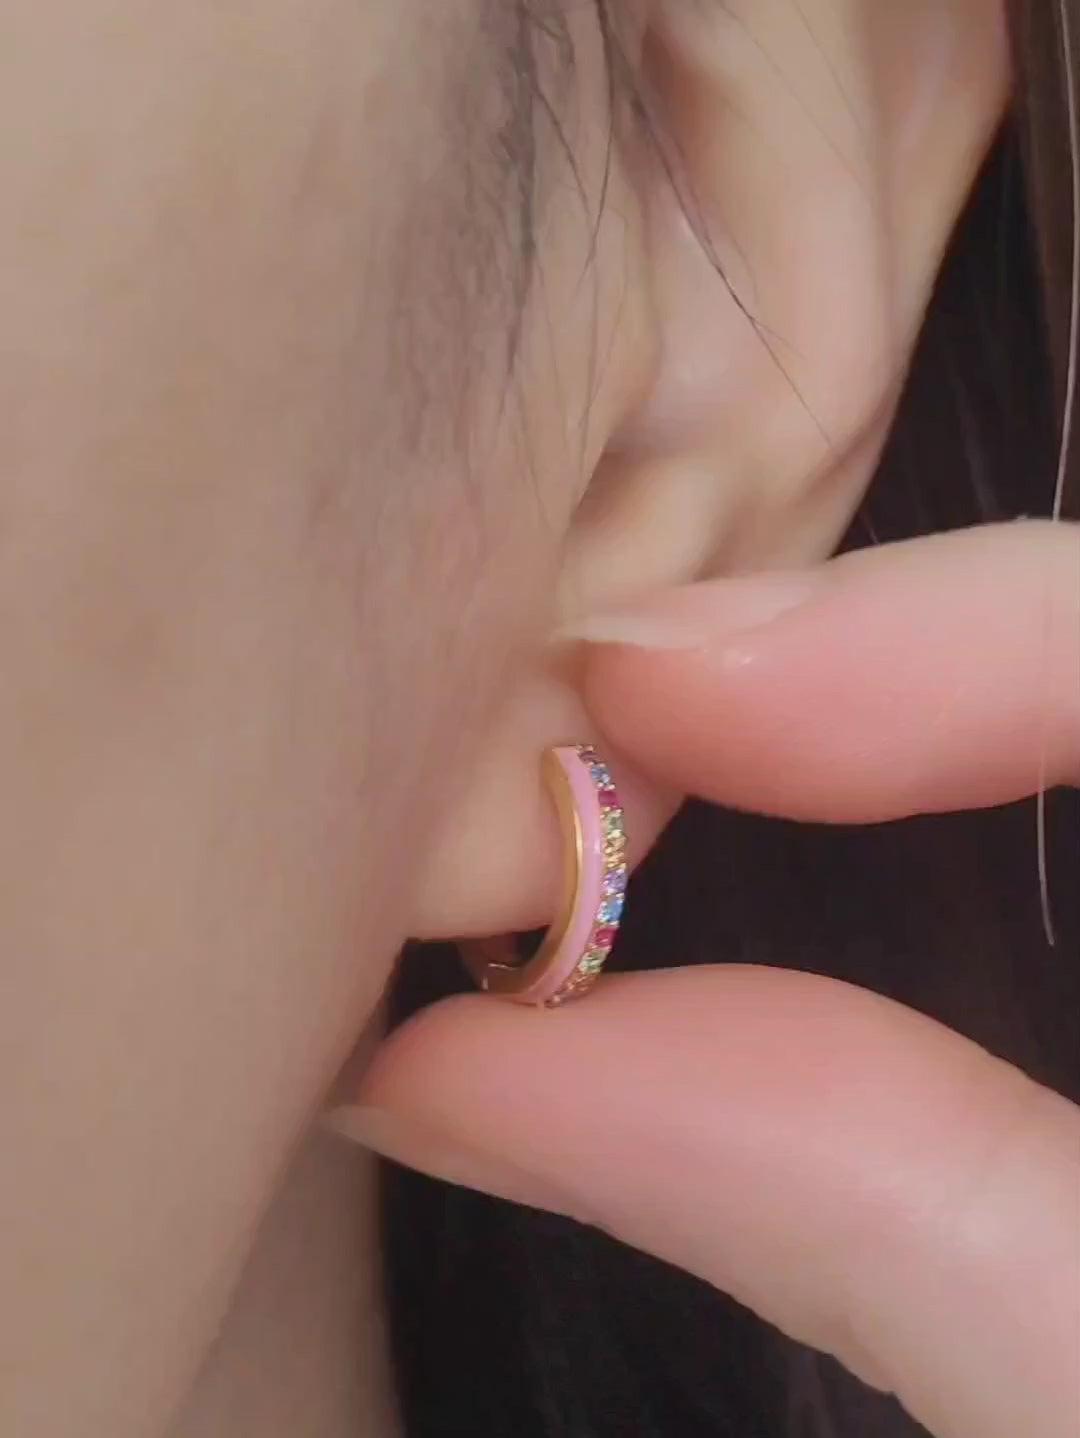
<point x="809" y="163"/>
<point x="796" y="180"/>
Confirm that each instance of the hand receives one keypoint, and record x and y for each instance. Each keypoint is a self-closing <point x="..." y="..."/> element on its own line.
<point x="860" y="1176"/>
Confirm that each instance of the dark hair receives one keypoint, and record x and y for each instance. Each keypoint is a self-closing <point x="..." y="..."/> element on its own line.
<point x="507" y="1323"/>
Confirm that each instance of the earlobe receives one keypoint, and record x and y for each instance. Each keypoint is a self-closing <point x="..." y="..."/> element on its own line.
<point x="643" y="526"/>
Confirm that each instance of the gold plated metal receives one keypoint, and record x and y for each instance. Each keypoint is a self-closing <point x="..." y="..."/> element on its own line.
<point x="494" y="962"/>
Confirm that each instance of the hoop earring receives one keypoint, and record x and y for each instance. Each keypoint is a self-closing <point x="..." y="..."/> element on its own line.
<point x="576" y="946"/>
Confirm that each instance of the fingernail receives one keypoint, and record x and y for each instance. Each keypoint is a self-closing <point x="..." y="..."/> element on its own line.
<point x="436" y="1154"/>
<point x="640" y="631"/>
<point x="696" y="616"/>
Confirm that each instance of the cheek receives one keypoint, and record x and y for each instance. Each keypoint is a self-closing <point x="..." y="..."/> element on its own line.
<point x="267" y="550"/>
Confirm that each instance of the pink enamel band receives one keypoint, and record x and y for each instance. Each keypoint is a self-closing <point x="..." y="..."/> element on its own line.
<point x="579" y="941"/>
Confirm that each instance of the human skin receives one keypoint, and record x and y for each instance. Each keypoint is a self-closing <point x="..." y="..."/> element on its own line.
<point x="306" y="452"/>
<point x="251" y="616"/>
<point x="860" y="1176"/>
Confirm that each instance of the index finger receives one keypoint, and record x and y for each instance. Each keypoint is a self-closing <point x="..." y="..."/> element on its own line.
<point x="937" y="674"/>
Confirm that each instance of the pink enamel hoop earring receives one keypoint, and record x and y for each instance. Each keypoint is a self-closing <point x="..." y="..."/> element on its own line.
<point x="576" y="946"/>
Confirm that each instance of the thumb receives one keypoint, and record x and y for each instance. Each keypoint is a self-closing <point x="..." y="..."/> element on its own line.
<point x="860" y="1176"/>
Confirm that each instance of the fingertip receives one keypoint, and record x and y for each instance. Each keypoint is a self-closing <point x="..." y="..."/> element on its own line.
<point x="936" y="674"/>
<point x="861" y="1177"/>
